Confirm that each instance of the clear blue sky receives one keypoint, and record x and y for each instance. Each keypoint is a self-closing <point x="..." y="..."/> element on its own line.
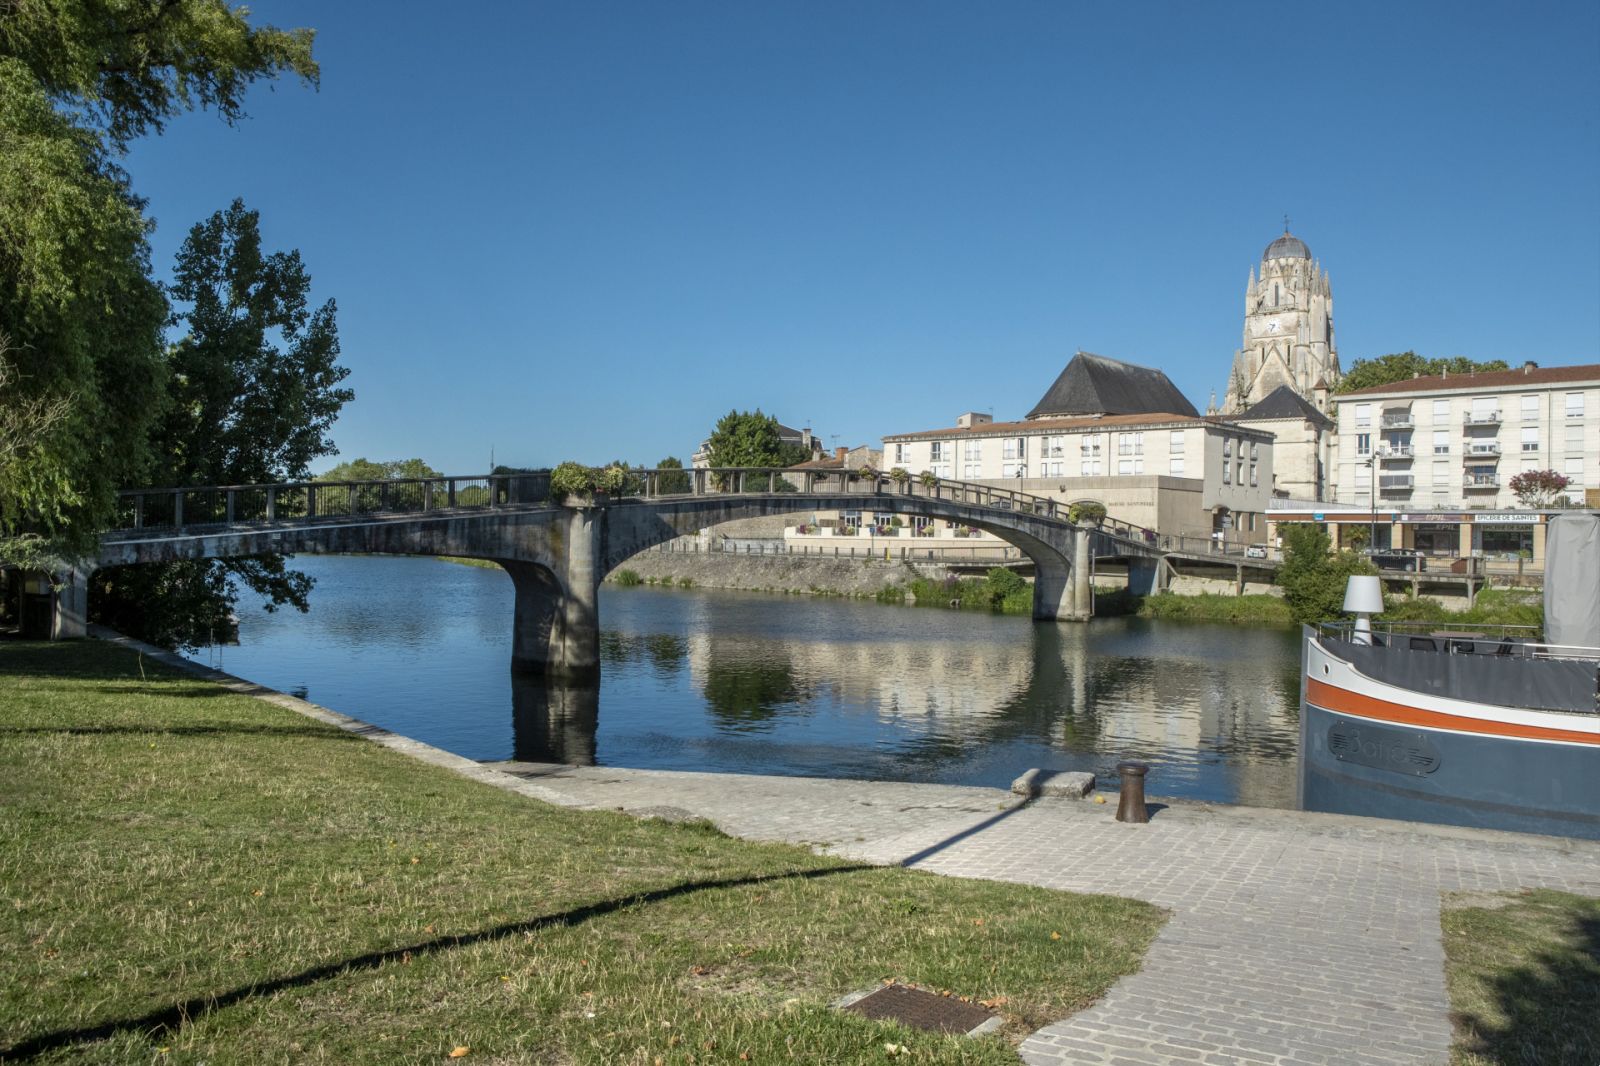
<point x="586" y="230"/>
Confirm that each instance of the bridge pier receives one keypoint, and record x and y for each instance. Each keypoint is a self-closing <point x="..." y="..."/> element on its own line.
<point x="1145" y="577"/>
<point x="556" y="629"/>
<point x="1061" y="591"/>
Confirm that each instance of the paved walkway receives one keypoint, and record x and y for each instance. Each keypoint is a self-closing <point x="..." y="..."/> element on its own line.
<point x="1295" y="938"/>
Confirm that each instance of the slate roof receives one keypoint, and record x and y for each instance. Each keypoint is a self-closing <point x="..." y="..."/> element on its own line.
<point x="1485" y="382"/>
<point x="1283" y="402"/>
<point x="1095" y="385"/>
<point x="1287" y="247"/>
<point x="1151" y="420"/>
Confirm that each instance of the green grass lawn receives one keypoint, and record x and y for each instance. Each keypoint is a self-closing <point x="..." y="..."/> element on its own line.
<point x="1524" y="977"/>
<point x="192" y="875"/>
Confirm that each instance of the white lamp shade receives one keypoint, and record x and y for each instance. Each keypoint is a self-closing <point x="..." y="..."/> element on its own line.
<point x="1363" y="594"/>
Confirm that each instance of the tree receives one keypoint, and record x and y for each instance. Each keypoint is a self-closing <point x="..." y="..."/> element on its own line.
<point x="367" y="470"/>
<point x="78" y="80"/>
<point x="253" y="391"/>
<point x="1312" y="576"/>
<point x="1539" y="488"/>
<point x="1403" y="366"/>
<point x="745" y="438"/>
<point x="669" y="484"/>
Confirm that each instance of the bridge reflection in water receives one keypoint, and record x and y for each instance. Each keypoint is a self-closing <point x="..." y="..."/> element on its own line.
<point x="945" y="701"/>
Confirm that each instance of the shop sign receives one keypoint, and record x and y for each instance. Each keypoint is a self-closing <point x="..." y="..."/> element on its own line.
<point x="1506" y="517"/>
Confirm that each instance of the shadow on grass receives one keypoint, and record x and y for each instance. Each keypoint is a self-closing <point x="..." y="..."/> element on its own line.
<point x="177" y="1015"/>
<point x="1549" y="1003"/>
<point x="177" y="731"/>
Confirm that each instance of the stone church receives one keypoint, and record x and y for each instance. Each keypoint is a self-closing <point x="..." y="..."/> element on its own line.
<point x="1288" y="365"/>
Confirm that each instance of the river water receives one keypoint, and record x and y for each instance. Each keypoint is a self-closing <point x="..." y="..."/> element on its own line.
<point x="773" y="684"/>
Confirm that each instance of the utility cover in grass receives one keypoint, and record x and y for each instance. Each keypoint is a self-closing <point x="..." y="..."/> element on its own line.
<point x="923" y="1010"/>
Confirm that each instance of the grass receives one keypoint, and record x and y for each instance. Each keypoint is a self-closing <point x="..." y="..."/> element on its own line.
<point x="1517" y="607"/>
<point x="1523" y="972"/>
<point x="1256" y="609"/>
<point x="192" y="875"/>
<point x="486" y="564"/>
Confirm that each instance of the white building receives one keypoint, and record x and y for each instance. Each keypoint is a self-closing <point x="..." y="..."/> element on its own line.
<point x="1434" y="445"/>
<point x="1179" y="474"/>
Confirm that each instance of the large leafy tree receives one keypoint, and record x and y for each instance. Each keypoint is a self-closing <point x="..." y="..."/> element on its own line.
<point x="673" y="479"/>
<point x="83" y="319"/>
<point x="1403" y="366"/>
<point x="253" y="391"/>
<point x="1313" y="576"/>
<point x="750" y="438"/>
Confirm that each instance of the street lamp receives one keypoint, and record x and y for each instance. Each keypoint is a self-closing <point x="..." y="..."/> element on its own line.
<point x="1372" y="517"/>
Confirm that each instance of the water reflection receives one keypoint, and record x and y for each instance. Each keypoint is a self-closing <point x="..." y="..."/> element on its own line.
<point x="553" y="721"/>
<point x="771" y="684"/>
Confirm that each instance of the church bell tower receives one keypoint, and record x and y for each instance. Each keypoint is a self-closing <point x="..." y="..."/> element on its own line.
<point x="1288" y="330"/>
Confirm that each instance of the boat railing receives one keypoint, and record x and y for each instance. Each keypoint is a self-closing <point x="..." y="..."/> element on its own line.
<point x="1469" y="638"/>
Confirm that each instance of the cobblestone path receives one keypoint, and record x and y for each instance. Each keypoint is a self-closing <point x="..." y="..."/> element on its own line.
<point x="1294" y="939"/>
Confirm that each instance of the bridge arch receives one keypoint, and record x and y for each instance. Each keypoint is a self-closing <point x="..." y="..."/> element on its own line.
<point x="557" y="555"/>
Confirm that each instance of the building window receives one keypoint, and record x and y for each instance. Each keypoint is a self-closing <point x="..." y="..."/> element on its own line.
<point x="1091" y="468"/>
<point x="1530" y="408"/>
<point x="1441" y="412"/>
<point x="1016" y="448"/>
<point x="1124" y="466"/>
<point x="1252" y="475"/>
<point x="1090" y="444"/>
<point x="1008" y="469"/>
<point x="1363" y="414"/>
<point x="1177" y="466"/>
<point x="1130" y="443"/>
<point x="974" y="451"/>
<point x="1574" y="471"/>
<point x="1227" y="447"/>
<point x="1255" y="453"/>
<point x="1530" y="438"/>
<point x="1363" y="444"/>
<point x="1441" y="442"/>
<point x="972" y="471"/>
<point x="900" y="454"/>
<point x="1227" y="472"/>
<point x="1574" y="405"/>
<point x="1238" y="474"/>
<point x="1054" y="447"/>
<point x="1175" y="442"/>
<point x="936" y="452"/>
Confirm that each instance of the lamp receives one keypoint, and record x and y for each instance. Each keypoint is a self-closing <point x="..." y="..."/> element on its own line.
<point x="1363" y="596"/>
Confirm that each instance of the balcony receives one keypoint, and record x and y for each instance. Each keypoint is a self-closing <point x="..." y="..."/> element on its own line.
<point x="1489" y="449"/>
<point x="1482" y="483"/>
<point x="1395" y="483"/>
<point x="1399" y="418"/>
<point x="1391" y="453"/>
<point x="1481" y="418"/>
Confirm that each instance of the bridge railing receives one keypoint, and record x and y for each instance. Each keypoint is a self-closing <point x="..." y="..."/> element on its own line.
<point x="202" y="506"/>
<point x="227" y="505"/>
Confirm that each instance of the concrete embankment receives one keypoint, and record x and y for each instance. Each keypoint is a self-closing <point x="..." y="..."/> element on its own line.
<point x="779" y="573"/>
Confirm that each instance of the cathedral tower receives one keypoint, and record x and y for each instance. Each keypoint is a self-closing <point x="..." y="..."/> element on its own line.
<point x="1288" y="330"/>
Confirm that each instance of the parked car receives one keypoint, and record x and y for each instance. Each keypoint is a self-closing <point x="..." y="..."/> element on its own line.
<point x="1399" y="559"/>
<point x="1256" y="551"/>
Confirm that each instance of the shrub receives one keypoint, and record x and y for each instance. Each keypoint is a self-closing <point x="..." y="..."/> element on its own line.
<point x="1313" y="577"/>
<point x="629" y="578"/>
<point x="929" y="479"/>
<point x="1086" y="511"/>
<point x="571" y="479"/>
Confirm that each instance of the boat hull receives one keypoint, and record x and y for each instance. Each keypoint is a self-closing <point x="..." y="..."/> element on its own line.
<point x="1374" y="749"/>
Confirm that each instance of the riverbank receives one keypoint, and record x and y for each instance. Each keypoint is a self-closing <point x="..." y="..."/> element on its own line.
<point x="200" y="875"/>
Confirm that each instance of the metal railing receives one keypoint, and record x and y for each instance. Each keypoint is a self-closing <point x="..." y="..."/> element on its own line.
<point x="166" y="509"/>
<point x="1474" y="638"/>
<point x="1481" y="418"/>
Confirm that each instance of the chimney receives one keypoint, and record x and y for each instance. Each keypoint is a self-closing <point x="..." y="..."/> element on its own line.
<point x="840" y="452"/>
<point x="1529" y="365"/>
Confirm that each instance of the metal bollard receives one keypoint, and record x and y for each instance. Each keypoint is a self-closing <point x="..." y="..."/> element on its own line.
<point x="1130" y="804"/>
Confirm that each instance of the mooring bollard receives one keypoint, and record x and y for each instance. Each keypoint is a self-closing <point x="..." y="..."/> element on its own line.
<point x="1130" y="805"/>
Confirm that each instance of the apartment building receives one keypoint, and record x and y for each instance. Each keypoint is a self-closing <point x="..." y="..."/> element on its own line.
<point x="1180" y="474"/>
<point x="1454" y="442"/>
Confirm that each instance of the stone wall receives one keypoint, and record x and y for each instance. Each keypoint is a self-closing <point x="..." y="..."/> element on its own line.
<point x="779" y="573"/>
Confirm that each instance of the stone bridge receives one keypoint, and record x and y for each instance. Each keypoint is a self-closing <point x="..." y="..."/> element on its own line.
<point x="557" y="552"/>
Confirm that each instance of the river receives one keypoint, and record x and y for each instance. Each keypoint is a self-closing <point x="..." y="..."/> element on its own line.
<point x="759" y="683"/>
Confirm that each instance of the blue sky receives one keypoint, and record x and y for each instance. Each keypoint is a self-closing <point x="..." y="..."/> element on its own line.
<point x="587" y="230"/>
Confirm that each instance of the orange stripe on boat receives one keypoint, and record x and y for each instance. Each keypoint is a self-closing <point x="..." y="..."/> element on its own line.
<point x="1344" y="701"/>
